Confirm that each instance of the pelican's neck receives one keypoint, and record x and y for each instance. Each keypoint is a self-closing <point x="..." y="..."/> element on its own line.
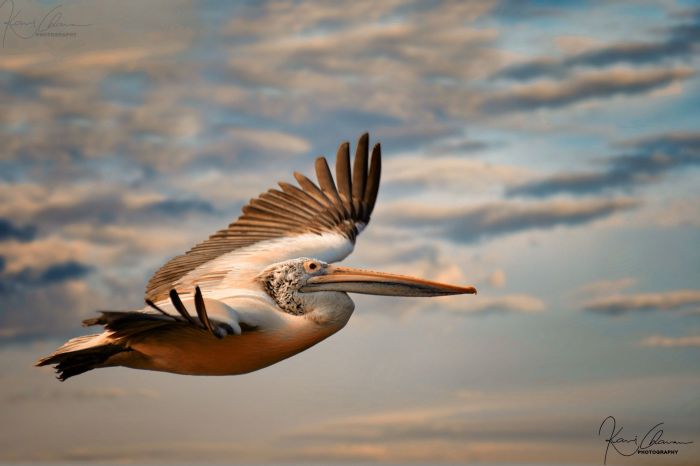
<point x="328" y="308"/>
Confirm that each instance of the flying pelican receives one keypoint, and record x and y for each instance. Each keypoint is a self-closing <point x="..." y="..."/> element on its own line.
<point x="257" y="292"/>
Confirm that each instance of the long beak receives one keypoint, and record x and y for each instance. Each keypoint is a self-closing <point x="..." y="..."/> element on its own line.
<point x="388" y="284"/>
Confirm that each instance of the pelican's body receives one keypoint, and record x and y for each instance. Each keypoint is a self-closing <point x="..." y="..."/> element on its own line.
<point x="257" y="292"/>
<point x="284" y="335"/>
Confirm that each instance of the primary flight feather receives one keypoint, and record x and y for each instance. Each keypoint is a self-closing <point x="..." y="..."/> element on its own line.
<point x="259" y="291"/>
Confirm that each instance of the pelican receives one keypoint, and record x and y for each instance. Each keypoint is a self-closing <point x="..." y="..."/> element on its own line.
<point x="259" y="291"/>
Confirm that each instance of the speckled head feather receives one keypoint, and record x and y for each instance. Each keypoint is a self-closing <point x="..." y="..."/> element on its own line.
<point x="282" y="282"/>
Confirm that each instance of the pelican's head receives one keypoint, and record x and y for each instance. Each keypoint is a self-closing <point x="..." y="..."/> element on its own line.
<point x="293" y="284"/>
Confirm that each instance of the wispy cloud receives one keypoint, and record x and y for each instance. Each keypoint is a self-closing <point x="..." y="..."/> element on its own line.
<point x="648" y="160"/>
<point x="8" y="230"/>
<point x="48" y="311"/>
<point x="497" y="278"/>
<point x="451" y="171"/>
<point x="678" y="42"/>
<point x="676" y="300"/>
<point x="65" y="394"/>
<point x="30" y="278"/>
<point x="269" y="141"/>
<point x="582" y="87"/>
<point x="459" y="146"/>
<point x="476" y="424"/>
<point x="401" y="68"/>
<point x="466" y="225"/>
<point x="606" y="287"/>
<point x="148" y="451"/>
<point x="657" y="341"/>
<point x="484" y="304"/>
<point x="114" y="210"/>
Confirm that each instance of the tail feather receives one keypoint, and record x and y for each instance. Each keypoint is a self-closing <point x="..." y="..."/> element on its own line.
<point x="122" y="329"/>
<point x="80" y="355"/>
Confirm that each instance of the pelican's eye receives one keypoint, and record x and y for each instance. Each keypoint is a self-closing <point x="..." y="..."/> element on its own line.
<point x="312" y="266"/>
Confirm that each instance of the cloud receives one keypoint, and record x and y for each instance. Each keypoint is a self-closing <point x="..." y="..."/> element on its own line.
<point x="68" y="127"/>
<point x="498" y="426"/>
<point x="460" y="146"/>
<point x="42" y="302"/>
<point x="125" y="87"/>
<point x="606" y="287"/>
<point x="54" y="310"/>
<point x="59" y="272"/>
<point x="497" y="279"/>
<point x="30" y="278"/>
<point x="467" y="225"/>
<point x="647" y="161"/>
<point x="484" y="304"/>
<point x="269" y="141"/>
<point x="672" y="213"/>
<point x="582" y="87"/>
<point x="451" y="171"/>
<point x="490" y="425"/>
<point x="146" y="451"/>
<point x="102" y="96"/>
<point x="656" y="341"/>
<point x="175" y="208"/>
<point x="80" y="394"/>
<point x="516" y="10"/>
<point x="679" y="42"/>
<point x="111" y="208"/>
<point x="53" y="249"/>
<point x="101" y="43"/>
<point x="676" y="300"/>
<point x="22" y="85"/>
<point x="400" y="71"/>
<point x="94" y="247"/>
<point x="9" y="230"/>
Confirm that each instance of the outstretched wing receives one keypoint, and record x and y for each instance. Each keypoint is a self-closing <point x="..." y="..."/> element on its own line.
<point x="320" y="221"/>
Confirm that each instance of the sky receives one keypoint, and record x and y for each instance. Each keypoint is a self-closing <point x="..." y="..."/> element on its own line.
<point x="546" y="152"/>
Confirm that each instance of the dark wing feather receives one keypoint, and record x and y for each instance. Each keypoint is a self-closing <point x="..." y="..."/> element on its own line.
<point x="325" y="180"/>
<point x="375" y="171"/>
<point x="359" y="175"/>
<point x="341" y="207"/>
<point x="129" y="326"/>
<point x="344" y="177"/>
